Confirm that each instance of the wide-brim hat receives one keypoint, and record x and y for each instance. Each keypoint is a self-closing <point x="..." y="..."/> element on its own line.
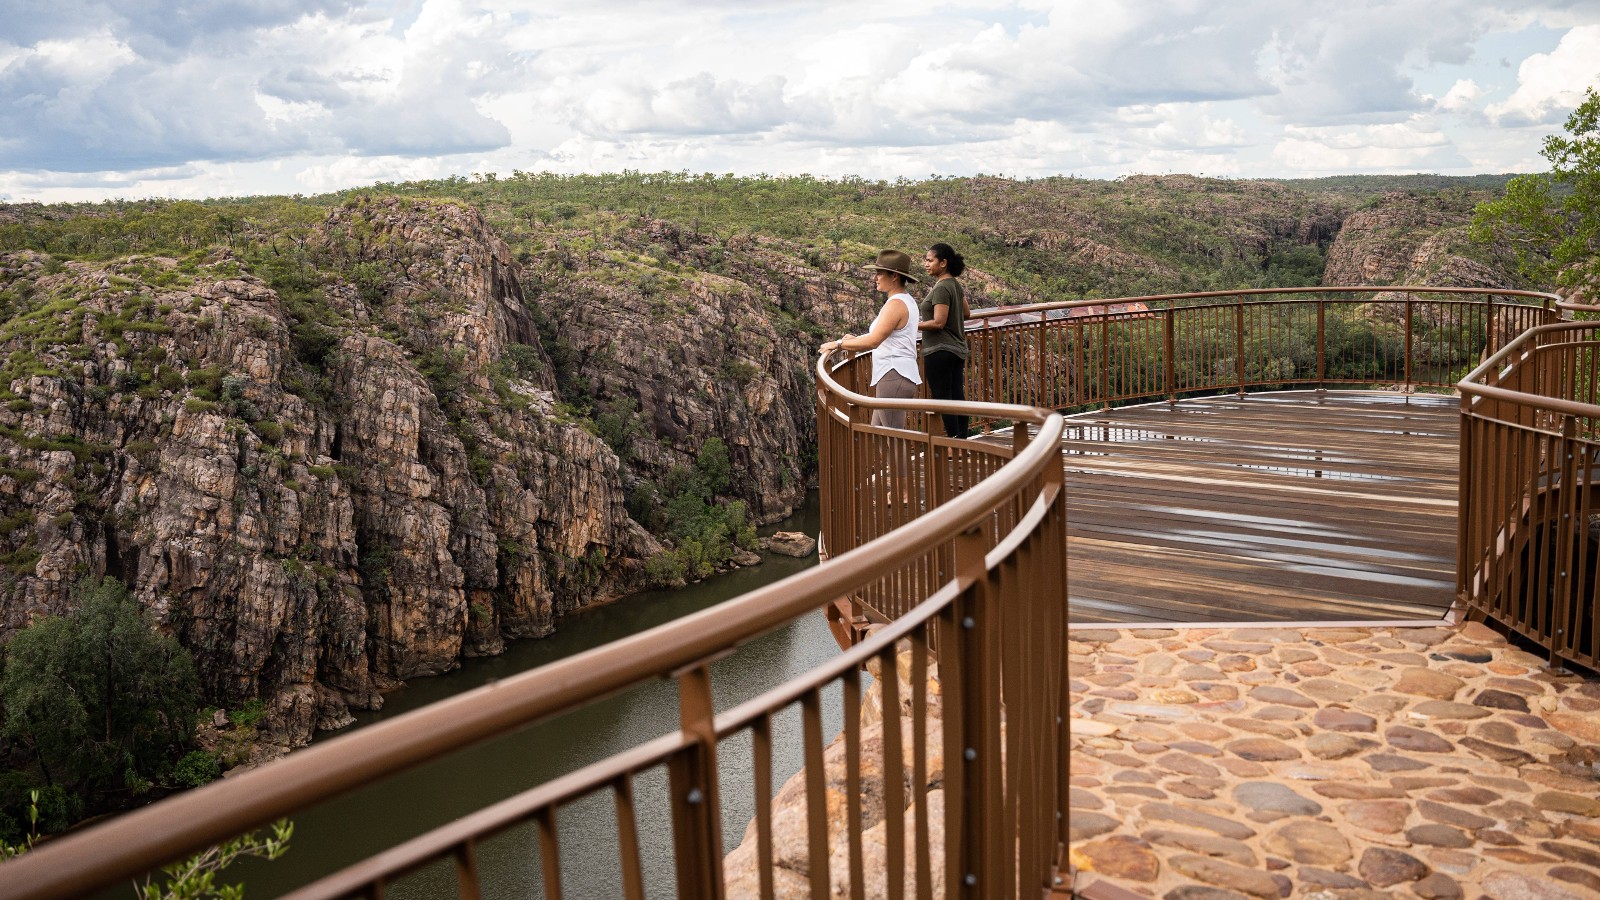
<point x="896" y="262"/>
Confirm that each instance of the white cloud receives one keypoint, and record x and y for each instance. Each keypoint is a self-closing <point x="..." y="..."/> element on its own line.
<point x="322" y="94"/>
<point x="1463" y="96"/>
<point x="1550" y="84"/>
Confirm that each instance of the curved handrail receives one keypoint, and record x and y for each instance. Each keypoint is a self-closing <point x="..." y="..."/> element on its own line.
<point x="132" y="844"/>
<point x="1530" y="441"/>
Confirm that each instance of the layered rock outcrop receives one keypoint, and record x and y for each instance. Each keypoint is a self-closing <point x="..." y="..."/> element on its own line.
<point x="1404" y="238"/>
<point x="318" y="505"/>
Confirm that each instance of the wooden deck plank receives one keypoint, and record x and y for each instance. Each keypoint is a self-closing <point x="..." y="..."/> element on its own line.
<point x="1294" y="506"/>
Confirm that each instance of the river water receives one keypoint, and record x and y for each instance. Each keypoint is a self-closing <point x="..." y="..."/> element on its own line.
<point x="345" y="830"/>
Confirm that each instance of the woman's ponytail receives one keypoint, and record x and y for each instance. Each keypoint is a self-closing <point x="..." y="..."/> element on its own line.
<point x="954" y="264"/>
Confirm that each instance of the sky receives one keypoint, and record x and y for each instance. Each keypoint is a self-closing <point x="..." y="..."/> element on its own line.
<point x="103" y="99"/>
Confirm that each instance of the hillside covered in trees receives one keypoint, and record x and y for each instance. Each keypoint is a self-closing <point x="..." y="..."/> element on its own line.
<point x="332" y="443"/>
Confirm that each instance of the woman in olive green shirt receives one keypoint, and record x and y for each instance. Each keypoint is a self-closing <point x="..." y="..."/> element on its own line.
<point x="943" y="325"/>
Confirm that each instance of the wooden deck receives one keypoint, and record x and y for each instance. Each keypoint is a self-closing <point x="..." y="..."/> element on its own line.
<point x="1292" y="506"/>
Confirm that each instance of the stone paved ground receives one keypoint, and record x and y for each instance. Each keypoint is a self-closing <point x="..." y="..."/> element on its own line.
<point x="1219" y="763"/>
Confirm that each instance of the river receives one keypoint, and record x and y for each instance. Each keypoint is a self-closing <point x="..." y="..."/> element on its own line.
<point x="347" y="829"/>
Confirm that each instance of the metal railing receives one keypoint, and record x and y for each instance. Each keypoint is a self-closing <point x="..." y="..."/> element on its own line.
<point x="1076" y="355"/>
<point x="1529" y="540"/>
<point x="981" y="576"/>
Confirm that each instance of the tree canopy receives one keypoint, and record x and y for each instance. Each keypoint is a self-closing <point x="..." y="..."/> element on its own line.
<point x="100" y="700"/>
<point x="1551" y="221"/>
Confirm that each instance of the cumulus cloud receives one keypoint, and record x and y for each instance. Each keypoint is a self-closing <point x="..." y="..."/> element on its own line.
<point x="1550" y="84"/>
<point x="327" y="93"/>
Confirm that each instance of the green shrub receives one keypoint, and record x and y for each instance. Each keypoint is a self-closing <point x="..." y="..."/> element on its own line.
<point x="99" y="698"/>
<point x="249" y="713"/>
<point x="196" y="768"/>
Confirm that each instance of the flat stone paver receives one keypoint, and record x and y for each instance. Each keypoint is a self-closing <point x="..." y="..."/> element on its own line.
<point x="1330" y="762"/>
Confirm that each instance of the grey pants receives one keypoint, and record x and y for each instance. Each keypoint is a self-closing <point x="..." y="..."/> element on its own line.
<point x="892" y="386"/>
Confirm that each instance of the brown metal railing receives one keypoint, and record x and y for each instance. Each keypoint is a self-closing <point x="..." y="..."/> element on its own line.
<point x="1080" y="354"/>
<point x="1529" y="540"/>
<point x="981" y="576"/>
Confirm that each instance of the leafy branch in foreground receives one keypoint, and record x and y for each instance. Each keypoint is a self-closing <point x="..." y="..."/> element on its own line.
<point x="196" y="877"/>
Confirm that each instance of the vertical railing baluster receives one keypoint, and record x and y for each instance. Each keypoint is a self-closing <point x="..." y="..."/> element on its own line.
<point x="816" y="797"/>
<point x="692" y="778"/>
<point x="761" y="762"/>
<point x="628" y="839"/>
<point x="467" y="882"/>
<point x="549" y="851"/>
<point x="1238" y="338"/>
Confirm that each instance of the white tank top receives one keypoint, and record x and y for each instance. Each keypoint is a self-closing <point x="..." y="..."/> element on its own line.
<point x="899" y="350"/>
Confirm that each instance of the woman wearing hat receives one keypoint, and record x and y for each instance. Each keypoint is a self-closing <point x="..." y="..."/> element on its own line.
<point x="892" y="340"/>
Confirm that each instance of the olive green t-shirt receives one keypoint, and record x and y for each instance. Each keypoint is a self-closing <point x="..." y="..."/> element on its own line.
<point x="952" y="336"/>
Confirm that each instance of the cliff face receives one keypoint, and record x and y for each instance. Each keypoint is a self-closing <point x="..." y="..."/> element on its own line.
<point x="1409" y="239"/>
<point x="682" y="338"/>
<point x="317" y="509"/>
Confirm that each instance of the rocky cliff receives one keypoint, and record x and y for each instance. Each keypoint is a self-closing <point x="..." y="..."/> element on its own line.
<point x="1404" y="238"/>
<point x="318" y="504"/>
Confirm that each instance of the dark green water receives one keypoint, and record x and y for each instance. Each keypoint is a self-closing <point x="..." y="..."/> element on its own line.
<point x="343" y="831"/>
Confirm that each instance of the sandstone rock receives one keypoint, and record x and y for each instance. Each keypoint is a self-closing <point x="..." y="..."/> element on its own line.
<point x="792" y="543"/>
<point x="1309" y="842"/>
<point x="1344" y="720"/>
<point x="1403" y="737"/>
<point x="1428" y="683"/>
<point x="1383" y="867"/>
<point x="1209" y="845"/>
<point x="1254" y="882"/>
<point x="1275" y="799"/>
<point x="1503" y="885"/>
<point x="1438" y="886"/>
<point x="1118" y="856"/>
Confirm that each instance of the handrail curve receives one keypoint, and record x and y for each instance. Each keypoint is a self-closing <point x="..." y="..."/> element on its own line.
<point x="132" y="844"/>
<point x="1530" y="489"/>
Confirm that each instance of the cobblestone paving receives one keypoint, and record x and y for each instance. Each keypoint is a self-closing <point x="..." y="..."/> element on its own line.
<point x="1210" y="764"/>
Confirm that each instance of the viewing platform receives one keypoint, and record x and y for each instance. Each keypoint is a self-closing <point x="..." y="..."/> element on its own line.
<point x="1295" y="506"/>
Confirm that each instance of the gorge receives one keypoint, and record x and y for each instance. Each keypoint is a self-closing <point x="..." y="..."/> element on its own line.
<point x="336" y="443"/>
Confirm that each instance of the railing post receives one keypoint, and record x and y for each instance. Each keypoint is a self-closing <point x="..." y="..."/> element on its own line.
<point x="994" y="363"/>
<point x="1322" y="344"/>
<point x="979" y="870"/>
<point x="1170" y="340"/>
<point x="1105" y="360"/>
<point x="1565" y="530"/>
<point x="692" y="776"/>
<point x="1409" y="320"/>
<point x="1488" y="325"/>
<point x="1042" y="399"/>
<point x="1238" y="320"/>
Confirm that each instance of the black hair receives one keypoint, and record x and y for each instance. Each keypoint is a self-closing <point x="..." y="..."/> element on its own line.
<point x="955" y="265"/>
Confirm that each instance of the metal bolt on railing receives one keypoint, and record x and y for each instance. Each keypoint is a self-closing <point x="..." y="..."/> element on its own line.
<point x="971" y="880"/>
<point x="695" y="796"/>
<point x="969" y="622"/>
<point x="970" y="754"/>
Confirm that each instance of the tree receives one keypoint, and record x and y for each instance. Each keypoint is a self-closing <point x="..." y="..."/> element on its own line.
<point x="100" y="700"/>
<point x="1551" y="222"/>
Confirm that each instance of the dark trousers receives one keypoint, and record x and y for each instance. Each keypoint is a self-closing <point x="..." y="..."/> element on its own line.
<point x="947" y="380"/>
